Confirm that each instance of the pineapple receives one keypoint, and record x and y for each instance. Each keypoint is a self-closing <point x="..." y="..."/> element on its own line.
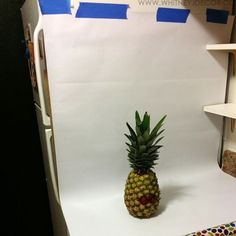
<point x="142" y="194"/>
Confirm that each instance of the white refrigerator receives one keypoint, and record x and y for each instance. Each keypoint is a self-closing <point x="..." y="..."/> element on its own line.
<point x="34" y="38"/>
<point x="92" y="65"/>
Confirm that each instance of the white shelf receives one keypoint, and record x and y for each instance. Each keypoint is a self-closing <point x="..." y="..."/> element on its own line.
<point x="227" y="110"/>
<point x="231" y="47"/>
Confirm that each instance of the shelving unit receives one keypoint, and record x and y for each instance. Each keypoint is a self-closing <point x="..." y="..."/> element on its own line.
<point x="231" y="47"/>
<point x="229" y="109"/>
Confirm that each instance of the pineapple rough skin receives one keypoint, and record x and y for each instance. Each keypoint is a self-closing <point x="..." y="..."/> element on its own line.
<point x="142" y="194"/>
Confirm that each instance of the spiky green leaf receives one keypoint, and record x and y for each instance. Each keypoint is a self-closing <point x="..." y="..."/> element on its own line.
<point x="157" y="127"/>
<point x="143" y="149"/>
<point x="138" y="131"/>
<point x="137" y="119"/>
<point x="133" y="134"/>
<point x="146" y="123"/>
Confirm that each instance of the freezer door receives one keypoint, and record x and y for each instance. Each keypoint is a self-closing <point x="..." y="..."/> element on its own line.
<point x="30" y="17"/>
<point x="44" y="73"/>
<point x="35" y="52"/>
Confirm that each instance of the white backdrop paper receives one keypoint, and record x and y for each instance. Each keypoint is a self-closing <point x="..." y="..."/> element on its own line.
<point x="100" y="72"/>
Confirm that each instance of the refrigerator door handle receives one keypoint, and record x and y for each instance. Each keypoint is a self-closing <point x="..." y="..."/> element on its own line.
<point x="46" y="118"/>
<point x="51" y="164"/>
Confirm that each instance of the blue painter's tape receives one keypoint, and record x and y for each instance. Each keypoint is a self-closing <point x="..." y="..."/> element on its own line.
<point x="173" y="15"/>
<point x="102" y="10"/>
<point x="217" y="16"/>
<point x="49" y="7"/>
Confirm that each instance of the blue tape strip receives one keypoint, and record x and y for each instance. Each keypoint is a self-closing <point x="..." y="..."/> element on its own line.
<point x="102" y="10"/>
<point x="54" y="7"/>
<point x="172" y="15"/>
<point x="217" y="16"/>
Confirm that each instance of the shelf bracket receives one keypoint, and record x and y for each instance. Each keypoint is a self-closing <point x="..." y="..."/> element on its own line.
<point x="234" y="60"/>
<point x="229" y="48"/>
<point x="233" y="122"/>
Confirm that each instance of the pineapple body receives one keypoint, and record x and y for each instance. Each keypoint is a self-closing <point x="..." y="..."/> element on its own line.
<point x="142" y="194"/>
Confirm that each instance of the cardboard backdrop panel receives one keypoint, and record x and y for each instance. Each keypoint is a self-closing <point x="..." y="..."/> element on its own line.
<point x="100" y="72"/>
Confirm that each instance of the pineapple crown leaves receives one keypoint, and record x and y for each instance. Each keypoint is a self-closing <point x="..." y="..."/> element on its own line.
<point x="143" y="149"/>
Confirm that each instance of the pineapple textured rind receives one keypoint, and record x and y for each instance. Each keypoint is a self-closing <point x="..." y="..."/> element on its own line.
<point x="142" y="194"/>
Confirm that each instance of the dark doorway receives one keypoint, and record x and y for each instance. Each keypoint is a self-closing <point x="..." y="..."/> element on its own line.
<point x="23" y="186"/>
